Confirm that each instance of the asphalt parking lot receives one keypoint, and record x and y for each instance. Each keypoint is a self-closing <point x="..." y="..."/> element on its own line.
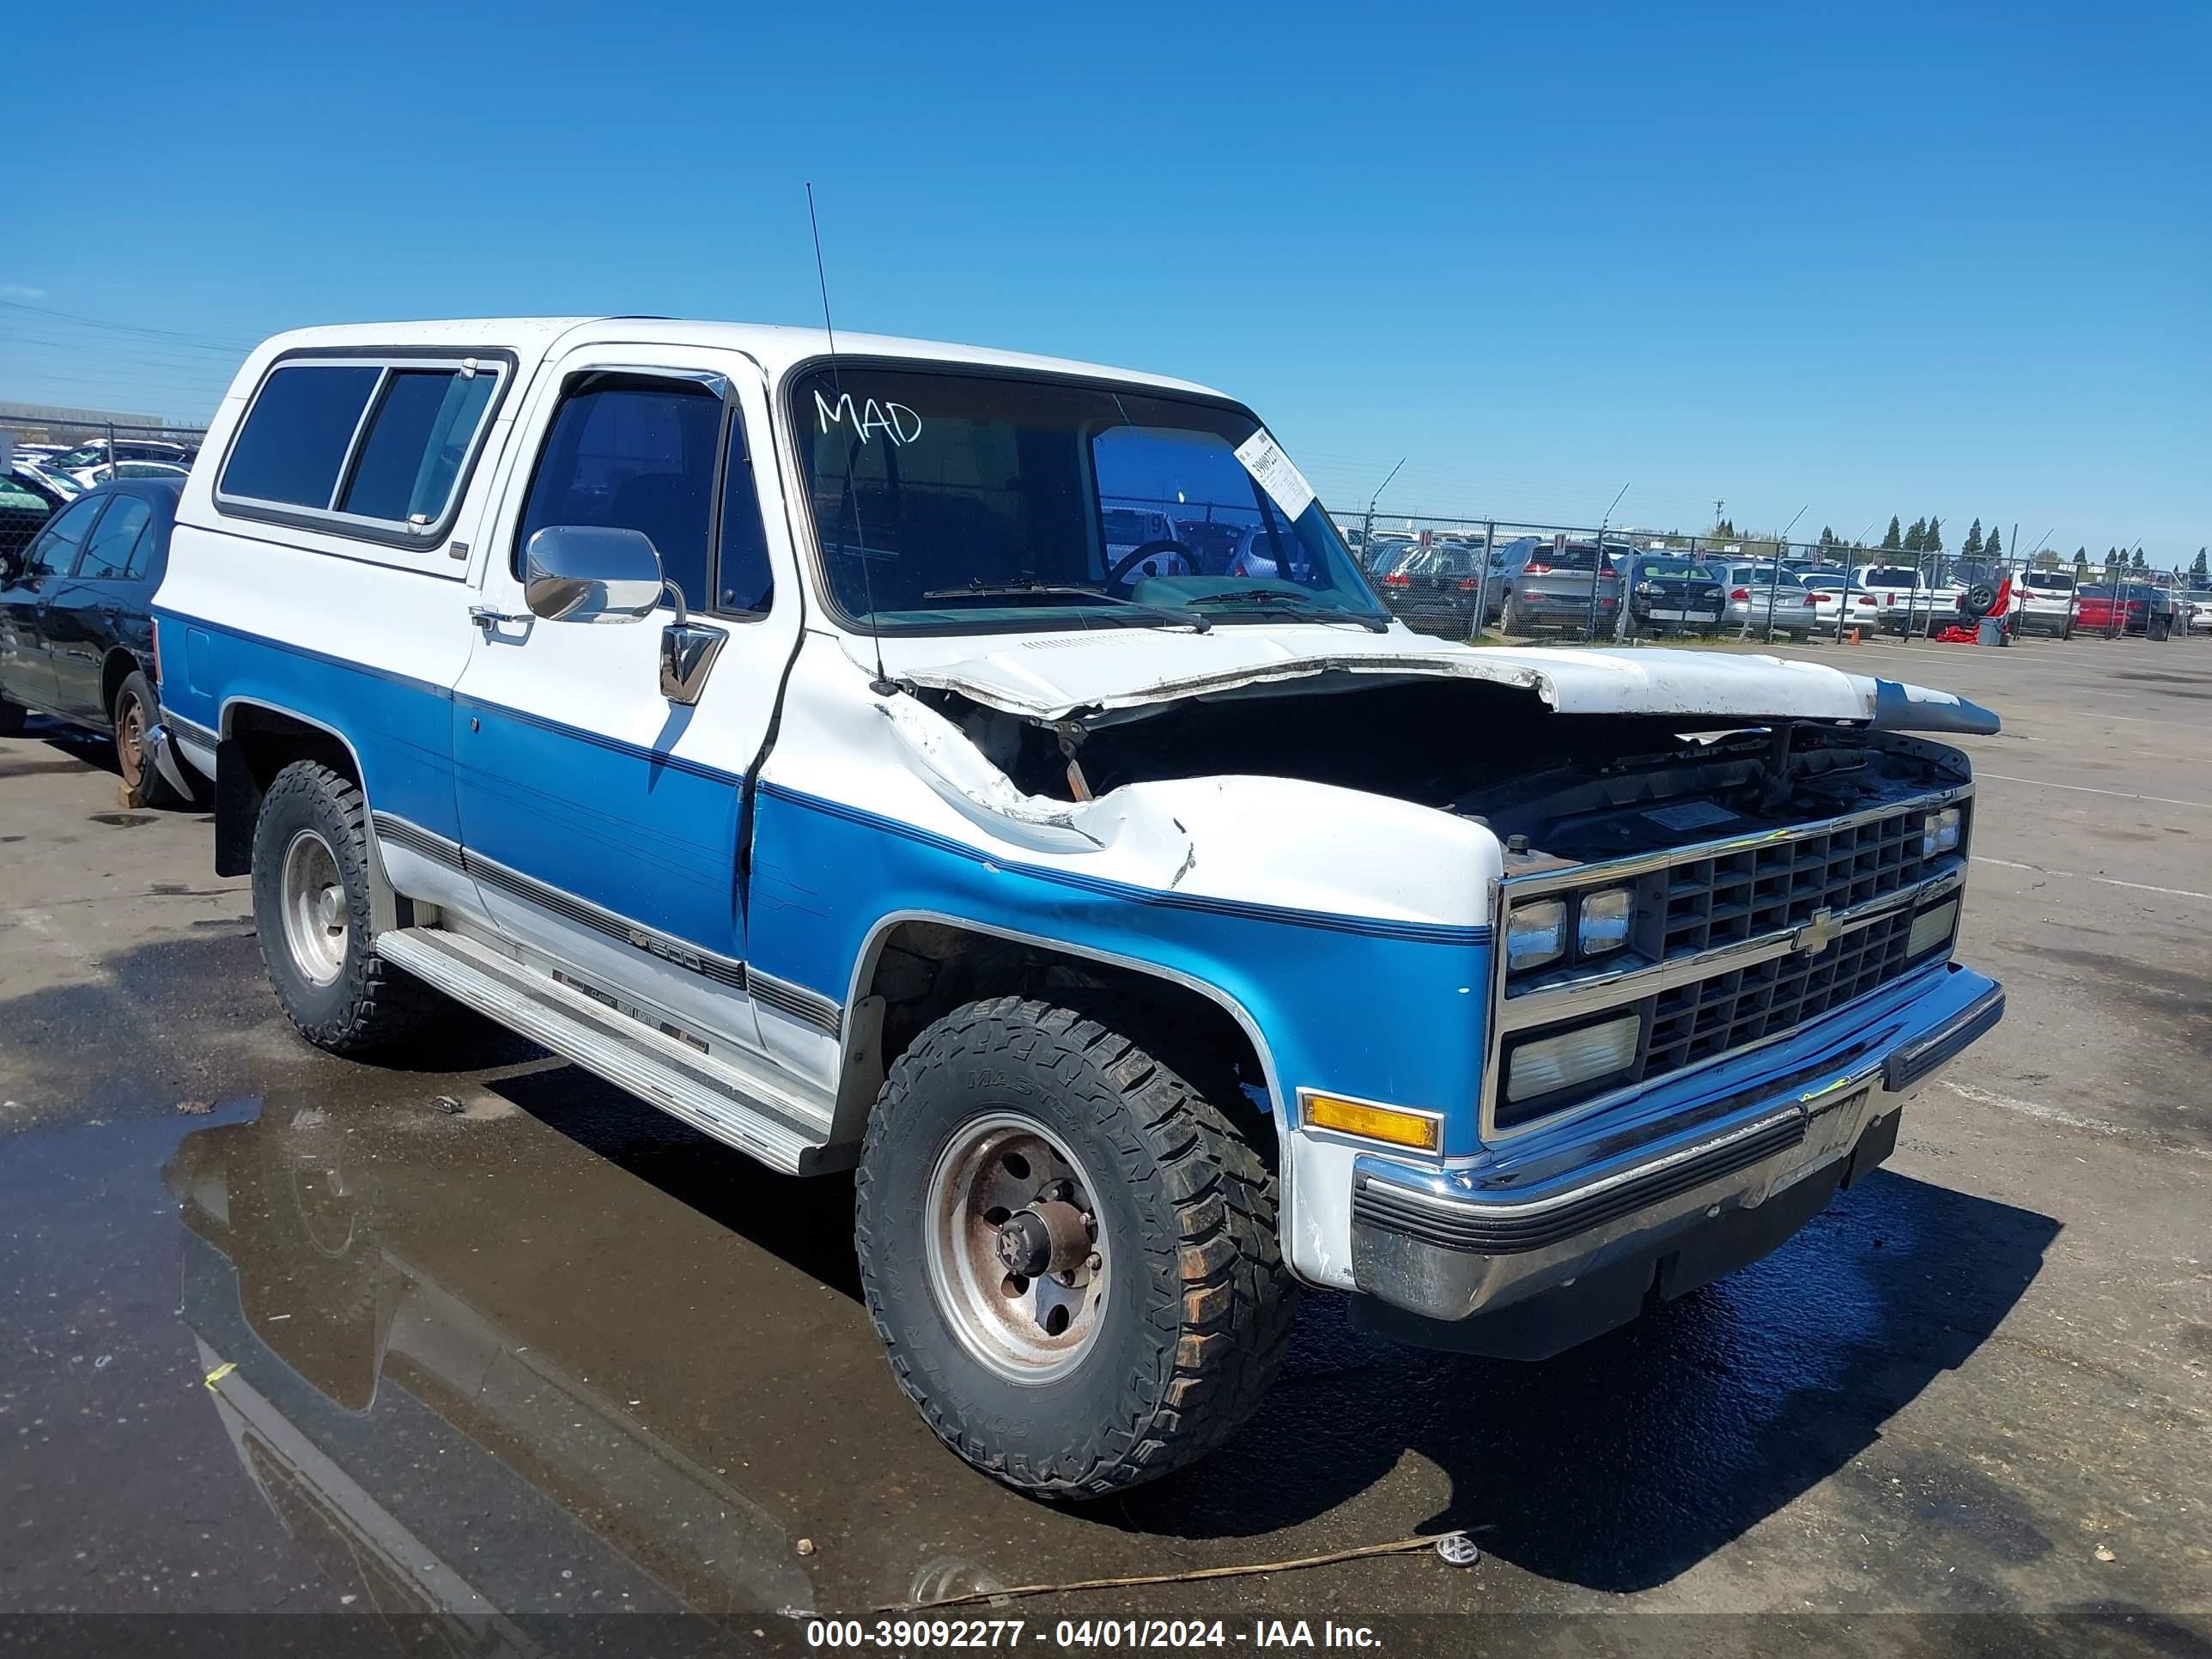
<point x="287" y="1332"/>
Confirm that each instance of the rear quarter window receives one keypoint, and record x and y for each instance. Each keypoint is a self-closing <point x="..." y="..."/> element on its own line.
<point x="384" y="442"/>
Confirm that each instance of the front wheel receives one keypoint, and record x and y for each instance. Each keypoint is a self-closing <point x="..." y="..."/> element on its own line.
<point x="1069" y="1254"/>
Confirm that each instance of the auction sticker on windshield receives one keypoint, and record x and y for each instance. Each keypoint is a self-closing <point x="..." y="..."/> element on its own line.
<point x="1264" y="459"/>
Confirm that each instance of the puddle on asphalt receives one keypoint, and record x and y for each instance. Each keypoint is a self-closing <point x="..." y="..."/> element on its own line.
<point x="571" y="1357"/>
<point x="465" y="1382"/>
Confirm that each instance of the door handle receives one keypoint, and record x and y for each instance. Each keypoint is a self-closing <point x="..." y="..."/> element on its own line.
<point x="488" y="616"/>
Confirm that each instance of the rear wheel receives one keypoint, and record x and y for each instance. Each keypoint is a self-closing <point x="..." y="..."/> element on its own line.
<point x="312" y="909"/>
<point x="12" y="716"/>
<point x="1069" y="1254"/>
<point x="133" y="717"/>
<point x="1509" y="618"/>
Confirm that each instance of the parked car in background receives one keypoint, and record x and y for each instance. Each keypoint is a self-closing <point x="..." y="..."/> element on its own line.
<point x="87" y="459"/>
<point x="1541" y="583"/>
<point x="1838" y="602"/>
<point x="1383" y="552"/>
<point x="2126" y="608"/>
<point x="2043" y="602"/>
<point x="1672" y="593"/>
<point x="27" y="499"/>
<point x="100" y="475"/>
<point x="1910" y="601"/>
<point x="1763" y="596"/>
<point x="1434" y="589"/>
<point x="76" y="638"/>
<point x="2198" y="602"/>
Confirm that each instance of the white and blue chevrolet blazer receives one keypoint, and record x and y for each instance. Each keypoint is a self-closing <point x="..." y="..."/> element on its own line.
<point x="992" y="775"/>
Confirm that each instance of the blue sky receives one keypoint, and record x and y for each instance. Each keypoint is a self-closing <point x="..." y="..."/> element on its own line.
<point x="1858" y="259"/>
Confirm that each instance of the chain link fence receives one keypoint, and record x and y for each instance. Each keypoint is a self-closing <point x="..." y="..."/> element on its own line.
<point x="46" y="463"/>
<point x="1465" y="577"/>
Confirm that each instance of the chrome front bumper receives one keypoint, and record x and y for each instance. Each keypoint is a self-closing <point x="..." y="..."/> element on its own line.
<point x="1451" y="1244"/>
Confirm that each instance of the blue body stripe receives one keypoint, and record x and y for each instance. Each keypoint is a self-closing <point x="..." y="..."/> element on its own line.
<point x="1396" y="1015"/>
<point x="1386" y="1009"/>
<point x="400" y="727"/>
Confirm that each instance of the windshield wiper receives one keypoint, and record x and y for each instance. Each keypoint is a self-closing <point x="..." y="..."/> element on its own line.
<point x="1296" y="605"/>
<point x="1068" y="591"/>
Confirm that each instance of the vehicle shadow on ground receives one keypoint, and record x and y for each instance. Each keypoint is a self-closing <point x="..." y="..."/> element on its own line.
<point x="1615" y="1466"/>
<point x="1621" y="1464"/>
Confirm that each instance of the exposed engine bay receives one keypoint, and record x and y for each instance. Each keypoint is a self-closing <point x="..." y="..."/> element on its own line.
<point x="1553" y="787"/>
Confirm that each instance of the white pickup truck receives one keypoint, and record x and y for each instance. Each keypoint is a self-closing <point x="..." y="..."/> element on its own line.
<point x="2043" y="602"/>
<point x="1910" y="602"/>
<point x="775" y="727"/>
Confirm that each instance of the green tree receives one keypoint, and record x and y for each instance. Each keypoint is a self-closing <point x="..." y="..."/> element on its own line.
<point x="1931" y="539"/>
<point x="1972" y="547"/>
<point x="2080" y="565"/>
<point x="2197" y="572"/>
<point x="2139" y="563"/>
<point x="1889" y="542"/>
<point x="1916" y="538"/>
<point x="1827" y="537"/>
<point x="1994" y="550"/>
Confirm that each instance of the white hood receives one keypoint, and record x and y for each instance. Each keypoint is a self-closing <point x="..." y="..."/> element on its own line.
<point x="1050" y="677"/>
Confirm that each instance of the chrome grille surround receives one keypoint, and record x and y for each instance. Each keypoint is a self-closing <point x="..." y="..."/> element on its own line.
<point x="1736" y="943"/>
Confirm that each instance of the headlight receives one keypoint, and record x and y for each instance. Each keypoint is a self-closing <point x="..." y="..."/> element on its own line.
<point x="1552" y="1063"/>
<point x="1535" y="933"/>
<point x="1931" y="928"/>
<point x="1939" y="832"/>
<point x="1605" y="920"/>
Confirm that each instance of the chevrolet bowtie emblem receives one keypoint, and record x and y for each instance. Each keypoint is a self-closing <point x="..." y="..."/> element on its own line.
<point x="1818" y="934"/>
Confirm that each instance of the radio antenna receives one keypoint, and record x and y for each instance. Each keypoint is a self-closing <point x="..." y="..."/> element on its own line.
<point x="881" y="685"/>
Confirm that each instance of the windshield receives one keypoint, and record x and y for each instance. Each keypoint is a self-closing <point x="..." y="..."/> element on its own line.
<point x="947" y="501"/>
<point x="1892" y="575"/>
<point x="1673" y="570"/>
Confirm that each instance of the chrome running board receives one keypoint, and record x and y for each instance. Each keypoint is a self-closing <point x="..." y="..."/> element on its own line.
<point x="738" y="1107"/>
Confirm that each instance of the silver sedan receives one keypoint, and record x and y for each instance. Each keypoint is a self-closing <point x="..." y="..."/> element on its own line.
<point x="1759" y="595"/>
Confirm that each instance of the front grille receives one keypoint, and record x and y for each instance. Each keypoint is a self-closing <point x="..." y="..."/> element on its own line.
<point x="1694" y="1023"/>
<point x="1704" y="903"/>
<point x="1743" y="894"/>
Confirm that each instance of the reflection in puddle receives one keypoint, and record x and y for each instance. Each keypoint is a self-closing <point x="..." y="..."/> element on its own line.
<point x="429" y="1460"/>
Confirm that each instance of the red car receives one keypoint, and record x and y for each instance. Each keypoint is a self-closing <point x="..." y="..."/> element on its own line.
<point x="2136" y="608"/>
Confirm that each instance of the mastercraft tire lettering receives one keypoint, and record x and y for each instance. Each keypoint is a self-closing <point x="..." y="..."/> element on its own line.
<point x="1192" y="1302"/>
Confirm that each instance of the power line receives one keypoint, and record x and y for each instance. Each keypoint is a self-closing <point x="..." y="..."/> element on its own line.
<point x="131" y="328"/>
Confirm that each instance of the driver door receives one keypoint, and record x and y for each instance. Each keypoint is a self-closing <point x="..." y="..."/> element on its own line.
<point x="602" y="818"/>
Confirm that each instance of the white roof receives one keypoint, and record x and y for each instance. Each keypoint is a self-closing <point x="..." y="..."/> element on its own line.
<point x="775" y="348"/>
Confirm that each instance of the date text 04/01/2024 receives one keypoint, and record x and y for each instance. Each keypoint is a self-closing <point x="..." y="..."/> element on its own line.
<point x="903" y="1634"/>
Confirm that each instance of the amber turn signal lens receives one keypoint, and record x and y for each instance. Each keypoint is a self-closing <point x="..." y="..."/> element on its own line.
<point x="1418" y="1130"/>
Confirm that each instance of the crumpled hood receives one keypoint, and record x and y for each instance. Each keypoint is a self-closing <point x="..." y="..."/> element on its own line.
<point x="1050" y="677"/>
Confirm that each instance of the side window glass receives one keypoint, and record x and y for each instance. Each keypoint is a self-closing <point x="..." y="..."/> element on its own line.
<point x="416" y="443"/>
<point x="107" y="553"/>
<point x="635" y="453"/>
<point x="744" y="581"/>
<point x="55" y="550"/>
<point x="296" y="435"/>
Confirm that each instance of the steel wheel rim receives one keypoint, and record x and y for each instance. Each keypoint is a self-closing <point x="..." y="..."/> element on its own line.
<point x="130" y="740"/>
<point x="1026" y="1330"/>
<point x="317" y="927"/>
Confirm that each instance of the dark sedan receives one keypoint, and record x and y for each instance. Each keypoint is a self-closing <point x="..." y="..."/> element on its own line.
<point x="76" y="639"/>
<point x="1670" y="594"/>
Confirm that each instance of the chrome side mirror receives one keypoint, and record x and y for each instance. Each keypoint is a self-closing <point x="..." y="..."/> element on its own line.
<point x="584" y="573"/>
